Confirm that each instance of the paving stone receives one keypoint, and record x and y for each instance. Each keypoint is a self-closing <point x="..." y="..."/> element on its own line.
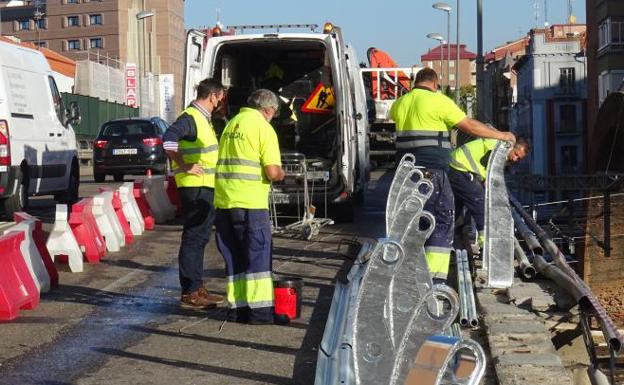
<point x="504" y="310"/>
<point x="520" y="327"/>
<point x="532" y="295"/>
<point x="534" y="359"/>
<point x="499" y="347"/>
<point x="523" y="375"/>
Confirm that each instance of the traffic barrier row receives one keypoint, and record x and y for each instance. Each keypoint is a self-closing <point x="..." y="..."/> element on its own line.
<point x="105" y="222"/>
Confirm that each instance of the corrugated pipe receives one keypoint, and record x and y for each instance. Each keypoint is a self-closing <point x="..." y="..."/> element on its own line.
<point x="578" y="289"/>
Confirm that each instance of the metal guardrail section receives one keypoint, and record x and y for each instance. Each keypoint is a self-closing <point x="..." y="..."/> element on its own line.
<point x="498" y="253"/>
<point x="387" y="324"/>
<point x="607" y="181"/>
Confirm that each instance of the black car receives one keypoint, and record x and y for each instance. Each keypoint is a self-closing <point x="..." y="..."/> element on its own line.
<point x="129" y="146"/>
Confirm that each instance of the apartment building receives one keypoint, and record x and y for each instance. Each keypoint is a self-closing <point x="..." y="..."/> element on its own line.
<point x="550" y="106"/>
<point x="148" y="33"/>
<point x="438" y="58"/>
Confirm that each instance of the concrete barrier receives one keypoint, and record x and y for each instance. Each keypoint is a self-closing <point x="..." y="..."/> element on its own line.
<point x="62" y="242"/>
<point x="107" y="221"/>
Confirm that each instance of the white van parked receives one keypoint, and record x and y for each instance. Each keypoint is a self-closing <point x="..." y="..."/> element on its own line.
<point x="38" y="154"/>
<point x="323" y="117"/>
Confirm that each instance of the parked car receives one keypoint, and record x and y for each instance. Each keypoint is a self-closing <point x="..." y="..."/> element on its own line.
<point x="38" y="154"/>
<point x="129" y="146"/>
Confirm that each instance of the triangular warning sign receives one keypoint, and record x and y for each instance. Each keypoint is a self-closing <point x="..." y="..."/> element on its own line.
<point x="321" y="101"/>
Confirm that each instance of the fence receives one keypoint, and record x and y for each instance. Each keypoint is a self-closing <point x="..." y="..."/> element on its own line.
<point x="94" y="113"/>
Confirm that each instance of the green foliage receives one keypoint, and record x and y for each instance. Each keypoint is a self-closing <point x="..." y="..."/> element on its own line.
<point x="467" y="93"/>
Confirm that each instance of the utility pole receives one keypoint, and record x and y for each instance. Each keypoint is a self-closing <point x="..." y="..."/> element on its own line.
<point x="457" y="82"/>
<point x="480" y="60"/>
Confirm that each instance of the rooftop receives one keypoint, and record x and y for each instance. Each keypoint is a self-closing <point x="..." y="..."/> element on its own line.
<point x="434" y="54"/>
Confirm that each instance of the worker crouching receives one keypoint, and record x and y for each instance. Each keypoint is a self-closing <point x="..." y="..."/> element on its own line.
<point x="249" y="159"/>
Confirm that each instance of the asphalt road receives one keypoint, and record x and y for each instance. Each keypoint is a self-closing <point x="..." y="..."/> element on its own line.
<point x="119" y="322"/>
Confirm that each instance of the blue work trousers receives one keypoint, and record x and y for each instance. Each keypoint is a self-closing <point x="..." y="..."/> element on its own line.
<point x="439" y="245"/>
<point x="469" y="192"/>
<point x="244" y="240"/>
<point x="199" y="214"/>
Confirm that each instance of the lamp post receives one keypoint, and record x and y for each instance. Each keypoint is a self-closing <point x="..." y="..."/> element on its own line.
<point x="141" y="16"/>
<point x="457" y="83"/>
<point x="447" y="8"/>
<point x="38" y="16"/>
<point x="440" y="38"/>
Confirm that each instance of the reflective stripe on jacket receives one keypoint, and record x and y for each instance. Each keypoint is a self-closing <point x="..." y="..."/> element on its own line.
<point x="203" y="151"/>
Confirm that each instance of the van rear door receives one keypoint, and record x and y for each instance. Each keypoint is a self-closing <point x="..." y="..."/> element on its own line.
<point x="344" y="109"/>
<point x="195" y="70"/>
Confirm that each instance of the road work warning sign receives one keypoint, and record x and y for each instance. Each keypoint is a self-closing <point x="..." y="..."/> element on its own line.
<point x="321" y="101"/>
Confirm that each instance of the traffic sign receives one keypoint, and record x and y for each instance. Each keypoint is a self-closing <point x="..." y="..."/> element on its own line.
<point x="321" y="101"/>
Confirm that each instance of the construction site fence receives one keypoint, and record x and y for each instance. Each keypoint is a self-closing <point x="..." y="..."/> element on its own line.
<point x="94" y="112"/>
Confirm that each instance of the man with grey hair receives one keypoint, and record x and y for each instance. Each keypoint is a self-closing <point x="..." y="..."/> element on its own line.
<point x="249" y="160"/>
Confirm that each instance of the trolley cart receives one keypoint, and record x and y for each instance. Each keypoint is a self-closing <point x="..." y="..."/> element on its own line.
<point x="306" y="225"/>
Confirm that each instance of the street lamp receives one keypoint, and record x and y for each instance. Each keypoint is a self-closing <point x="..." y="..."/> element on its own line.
<point x="38" y="16"/>
<point x="447" y="8"/>
<point x="440" y="38"/>
<point x="141" y="16"/>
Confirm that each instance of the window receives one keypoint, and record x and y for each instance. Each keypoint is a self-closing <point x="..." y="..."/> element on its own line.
<point x="42" y="44"/>
<point x="73" y="21"/>
<point x="40" y="23"/>
<point x="452" y="77"/>
<point x="96" y="42"/>
<point x="567" y="80"/>
<point x="73" y="45"/>
<point x="567" y="119"/>
<point x="430" y="65"/>
<point x="611" y="33"/>
<point x="569" y="159"/>
<point x="452" y="63"/>
<point x="72" y="1"/>
<point x="58" y="101"/>
<point x="23" y="25"/>
<point x="95" y="19"/>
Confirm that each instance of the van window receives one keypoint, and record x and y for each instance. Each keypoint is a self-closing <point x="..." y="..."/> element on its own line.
<point x="58" y="101"/>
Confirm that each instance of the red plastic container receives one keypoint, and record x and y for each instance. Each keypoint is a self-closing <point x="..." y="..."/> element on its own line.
<point x="288" y="293"/>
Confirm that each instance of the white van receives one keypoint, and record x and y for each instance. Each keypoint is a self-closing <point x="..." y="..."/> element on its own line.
<point x="323" y="116"/>
<point x="38" y="154"/>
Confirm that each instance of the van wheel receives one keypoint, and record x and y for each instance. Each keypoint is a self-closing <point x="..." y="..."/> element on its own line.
<point x="18" y="201"/>
<point x="99" y="178"/>
<point x="118" y="177"/>
<point x="70" y="196"/>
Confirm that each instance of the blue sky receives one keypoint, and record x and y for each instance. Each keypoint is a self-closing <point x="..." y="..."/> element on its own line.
<point x="395" y="26"/>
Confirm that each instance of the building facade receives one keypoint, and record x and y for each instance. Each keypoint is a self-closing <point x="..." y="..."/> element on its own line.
<point x="552" y="92"/>
<point x="147" y="33"/>
<point x="438" y="58"/>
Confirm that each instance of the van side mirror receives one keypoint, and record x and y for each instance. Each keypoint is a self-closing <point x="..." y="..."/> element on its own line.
<point x="73" y="113"/>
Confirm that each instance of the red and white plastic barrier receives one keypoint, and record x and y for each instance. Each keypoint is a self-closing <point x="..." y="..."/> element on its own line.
<point x="131" y="209"/>
<point x="172" y="194"/>
<point x="31" y="255"/>
<point x="123" y="221"/>
<point x="17" y="287"/>
<point x="107" y="221"/>
<point x="144" y="207"/>
<point x="85" y="229"/>
<point x="157" y="198"/>
<point x="40" y="242"/>
<point x="62" y="241"/>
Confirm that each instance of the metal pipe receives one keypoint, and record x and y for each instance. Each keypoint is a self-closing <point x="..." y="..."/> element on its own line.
<point x="470" y="299"/>
<point x="587" y="300"/>
<point x="527" y="269"/>
<point x="526" y="233"/>
<point x="461" y="288"/>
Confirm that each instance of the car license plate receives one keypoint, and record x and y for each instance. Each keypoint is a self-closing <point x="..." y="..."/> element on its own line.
<point x="125" y="151"/>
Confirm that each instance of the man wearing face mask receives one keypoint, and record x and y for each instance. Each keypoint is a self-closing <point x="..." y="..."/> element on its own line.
<point x="249" y="160"/>
<point x="191" y="144"/>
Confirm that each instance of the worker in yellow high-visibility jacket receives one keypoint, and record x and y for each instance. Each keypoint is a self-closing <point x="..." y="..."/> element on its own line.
<point x="192" y="145"/>
<point x="423" y="120"/>
<point x="249" y="160"/>
<point x="468" y="172"/>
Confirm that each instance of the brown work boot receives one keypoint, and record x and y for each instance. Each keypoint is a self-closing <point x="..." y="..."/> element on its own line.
<point x="214" y="298"/>
<point x="196" y="301"/>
